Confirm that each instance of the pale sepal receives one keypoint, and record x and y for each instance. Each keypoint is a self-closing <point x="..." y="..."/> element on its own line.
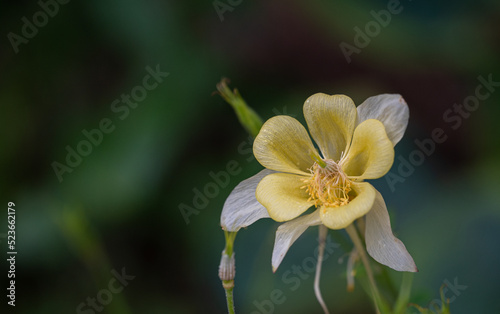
<point x="381" y="244"/>
<point x="241" y="208"/>
<point x="391" y="110"/>
<point x="290" y="231"/>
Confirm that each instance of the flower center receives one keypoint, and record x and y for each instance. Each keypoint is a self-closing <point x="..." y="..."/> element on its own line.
<point x="328" y="186"/>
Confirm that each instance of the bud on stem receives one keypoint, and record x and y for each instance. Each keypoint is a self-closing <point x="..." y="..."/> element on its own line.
<point x="246" y="115"/>
<point x="227" y="268"/>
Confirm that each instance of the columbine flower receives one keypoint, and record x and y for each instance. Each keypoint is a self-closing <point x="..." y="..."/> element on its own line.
<point x="355" y="144"/>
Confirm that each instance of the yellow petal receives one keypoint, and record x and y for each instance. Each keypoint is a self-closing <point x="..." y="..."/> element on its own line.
<point x="343" y="216"/>
<point x="282" y="196"/>
<point x="371" y="154"/>
<point x="284" y="145"/>
<point x="331" y="121"/>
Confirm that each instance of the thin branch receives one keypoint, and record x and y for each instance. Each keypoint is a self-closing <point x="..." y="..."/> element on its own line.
<point x="322" y="239"/>
<point x="351" y="230"/>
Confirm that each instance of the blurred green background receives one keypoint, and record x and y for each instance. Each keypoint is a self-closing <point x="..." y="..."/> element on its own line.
<point x="119" y="208"/>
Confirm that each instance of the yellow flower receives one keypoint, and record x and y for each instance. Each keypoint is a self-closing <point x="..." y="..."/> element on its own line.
<point x="355" y="144"/>
<point x="332" y="183"/>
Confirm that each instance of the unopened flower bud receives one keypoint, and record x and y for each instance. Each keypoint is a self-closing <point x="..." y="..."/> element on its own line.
<point x="227" y="268"/>
<point x="246" y="115"/>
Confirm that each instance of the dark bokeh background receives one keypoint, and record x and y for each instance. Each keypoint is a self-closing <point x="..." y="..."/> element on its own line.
<point x="120" y="206"/>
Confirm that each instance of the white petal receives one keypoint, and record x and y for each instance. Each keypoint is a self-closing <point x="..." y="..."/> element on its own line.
<point x="381" y="244"/>
<point x="290" y="231"/>
<point x="391" y="110"/>
<point x="241" y="208"/>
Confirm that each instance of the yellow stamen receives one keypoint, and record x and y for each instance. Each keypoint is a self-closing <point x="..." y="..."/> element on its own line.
<point x="328" y="185"/>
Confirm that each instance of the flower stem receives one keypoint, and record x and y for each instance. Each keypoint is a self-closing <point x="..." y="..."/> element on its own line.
<point x="229" y="299"/>
<point x="404" y="293"/>
<point x="353" y="234"/>
<point x="322" y="239"/>
<point x="227" y="269"/>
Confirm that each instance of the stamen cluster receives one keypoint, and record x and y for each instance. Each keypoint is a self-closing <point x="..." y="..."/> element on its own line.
<point x="328" y="186"/>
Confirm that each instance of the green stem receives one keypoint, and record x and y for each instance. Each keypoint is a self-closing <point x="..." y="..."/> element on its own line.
<point x="404" y="294"/>
<point x="230" y="301"/>
<point x="227" y="270"/>
<point x="230" y="236"/>
<point x="351" y="230"/>
<point x="388" y="283"/>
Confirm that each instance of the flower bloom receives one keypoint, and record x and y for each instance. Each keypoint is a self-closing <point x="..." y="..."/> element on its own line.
<point x="355" y="144"/>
